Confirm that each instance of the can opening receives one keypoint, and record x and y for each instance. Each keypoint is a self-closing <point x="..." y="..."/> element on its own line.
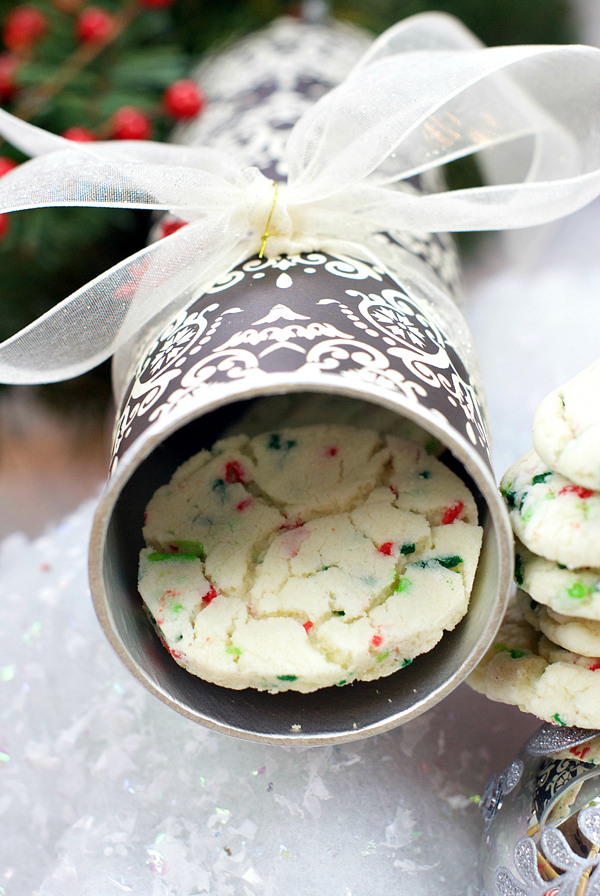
<point x="327" y="715"/>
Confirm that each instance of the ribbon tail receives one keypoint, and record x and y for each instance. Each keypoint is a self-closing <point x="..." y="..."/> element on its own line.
<point x="31" y="140"/>
<point x="70" y="178"/>
<point x="500" y="207"/>
<point x="88" y="326"/>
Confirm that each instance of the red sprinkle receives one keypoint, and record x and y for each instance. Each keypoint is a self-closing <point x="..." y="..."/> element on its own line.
<point x="594" y="667"/>
<point x="331" y="452"/>
<point x="234" y="472"/>
<point x="579" y="490"/>
<point x="145" y="517"/>
<point x="44" y="567"/>
<point x="210" y="595"/>
<point x="308" y="625"/>
<point x="290" y="525"/>
<point x="174" y="653"/>
<point x="394" y="490"/>
<point x="452" y="513"/>
<point x="244" y="504"/>
<point x="580" y="751"/>
<point x="386" y="548"/>
<point x="376" y="640"/>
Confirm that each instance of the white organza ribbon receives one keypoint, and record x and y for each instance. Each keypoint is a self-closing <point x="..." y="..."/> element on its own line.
<point x="425" y="93"/>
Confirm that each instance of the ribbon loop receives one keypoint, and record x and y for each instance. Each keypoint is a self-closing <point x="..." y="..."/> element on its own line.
<point x="426" y="92"/>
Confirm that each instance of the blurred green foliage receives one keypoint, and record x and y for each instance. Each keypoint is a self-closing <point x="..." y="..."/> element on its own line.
<point x="49" y="253"/>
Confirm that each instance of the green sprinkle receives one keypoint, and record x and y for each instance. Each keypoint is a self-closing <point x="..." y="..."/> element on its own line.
<point x="287" y="677"/>
<point x="518" y="569"/>
<point x="405" y="663"/>
<point x="4" y="757"/>
<point x="533" y="604"/>
<point x="158" y="558"/>
<point x="558" y="720"/>
<point x="516" y="653"/>
<point x="475" y="799"/>
<point x="180" y="637"/>
<point x="541" y="477"/>
<point x="324" y="568"/>
<point x="447" y="562"/>
<point x="408" y="548"/>
<point x="219" y="486"/>
<point x="275" y="442"/>
<point x="338" y="613"/>
<point x="340" y="683"/>
<point x="527" y="515"/>
<point x="560" y="566"/>
<point x="234" y="650"/>
<point x="578" y="590"/>
<point x="510" y="498"/>
<point x="177" y="607"/>
<point x="383" y="656"/>
<point x="425" y="474"/>
<point x="403" y="585"/>
<point x="450" y="562"/>
<point x="191" y="547"/>
<point x="7" y="673"/>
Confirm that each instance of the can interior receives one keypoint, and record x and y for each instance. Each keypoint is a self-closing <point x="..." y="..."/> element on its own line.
<point x="326" y="715"/>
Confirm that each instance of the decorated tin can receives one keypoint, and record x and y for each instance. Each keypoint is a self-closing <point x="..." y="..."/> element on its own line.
<point x="372" y="337"/>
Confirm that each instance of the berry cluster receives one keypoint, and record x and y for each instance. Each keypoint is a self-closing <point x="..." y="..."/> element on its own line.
<point x="26" y="30"/>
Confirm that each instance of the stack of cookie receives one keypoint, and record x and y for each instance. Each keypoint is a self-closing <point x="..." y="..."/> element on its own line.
<point x="546" y="656"/>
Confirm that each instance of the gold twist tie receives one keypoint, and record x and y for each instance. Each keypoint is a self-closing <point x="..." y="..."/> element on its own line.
<point x="266" y="234"/>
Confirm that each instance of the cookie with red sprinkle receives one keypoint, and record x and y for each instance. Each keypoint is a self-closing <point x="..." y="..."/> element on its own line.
<point x="291" y="560"/>
<point x="553" y="517"/>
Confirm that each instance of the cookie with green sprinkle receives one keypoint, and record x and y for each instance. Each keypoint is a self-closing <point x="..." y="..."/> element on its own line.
<point x="524" y="668"/>
<point x="291" y="561"/>
<point x="553" y="517"/>
<point x="580" y="636"/>
<point x="572" y="592"/>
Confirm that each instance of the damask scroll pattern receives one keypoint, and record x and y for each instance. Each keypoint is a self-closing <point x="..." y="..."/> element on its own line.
<point x="261" y="319"/>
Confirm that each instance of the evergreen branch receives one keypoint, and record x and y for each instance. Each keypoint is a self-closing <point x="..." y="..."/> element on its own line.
<point x="34" y="100"/>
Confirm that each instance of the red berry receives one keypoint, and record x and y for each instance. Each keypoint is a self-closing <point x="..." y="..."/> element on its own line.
<point x="6" y="165"/>
<point x="23" y="26"/>
<point x="79" y="135"/>
<point x="129" y="123"/>
<point x="8" y="67"/>
<point x="4" y="225"/>
<point x="184" y="99"/>
<point x="94" y="25"/>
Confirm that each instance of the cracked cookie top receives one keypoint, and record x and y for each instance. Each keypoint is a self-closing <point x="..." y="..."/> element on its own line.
<point x="307" y="557"/>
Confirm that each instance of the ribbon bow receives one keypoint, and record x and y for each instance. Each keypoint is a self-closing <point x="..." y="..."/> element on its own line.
<point x="426" y="92"/>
